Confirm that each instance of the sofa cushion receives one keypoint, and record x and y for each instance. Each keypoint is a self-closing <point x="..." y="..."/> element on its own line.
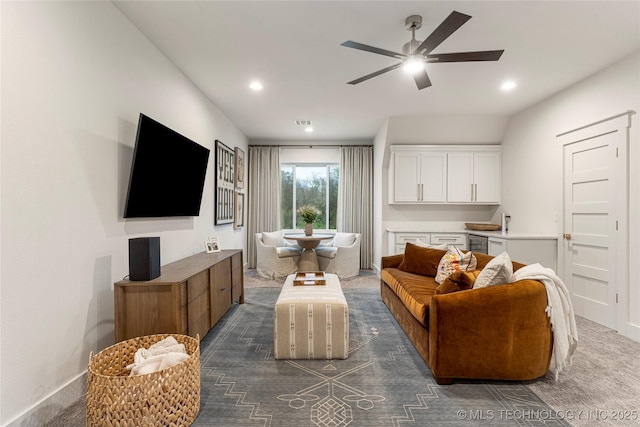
<point x="458" y="281"/>
<point x="414" y="291"/>
<point x="344" y="239"/>
<point x="287" y="251"/>
<point x="455" y="260"/>
<point x="326" y="252"/>
<point x="499" y="270"/>
<point x="422" y="261"/>
<point x="273" y="238"/>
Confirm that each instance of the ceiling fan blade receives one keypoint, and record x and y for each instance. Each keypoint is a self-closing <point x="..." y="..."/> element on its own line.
<point x="422" y="79"/>
<point x="377" y="73"/>
<point x="371" y="49"/>
<point x="454" y="21"/>
<point x="487" y="55"/>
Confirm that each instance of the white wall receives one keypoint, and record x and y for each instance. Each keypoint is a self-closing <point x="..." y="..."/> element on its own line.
<point x="75" y="76"/>
<point x="379" y="149"/>
<point x="532" y="158"/>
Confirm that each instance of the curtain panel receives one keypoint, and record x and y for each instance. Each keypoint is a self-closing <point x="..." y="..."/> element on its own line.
<point x="355" y="200"/>
<point x="263" y="205"/>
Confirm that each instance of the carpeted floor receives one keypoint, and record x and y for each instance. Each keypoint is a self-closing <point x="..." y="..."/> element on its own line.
<point x="384" y="382"/>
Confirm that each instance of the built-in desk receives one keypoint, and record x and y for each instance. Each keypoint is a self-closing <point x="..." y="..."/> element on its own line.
<point x="188" y="297"/>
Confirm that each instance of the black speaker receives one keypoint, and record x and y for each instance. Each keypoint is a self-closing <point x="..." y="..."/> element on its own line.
<point x="144" y="258"/>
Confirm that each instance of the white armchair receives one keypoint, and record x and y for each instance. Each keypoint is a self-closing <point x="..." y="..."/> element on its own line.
<point x="275" y="257"/>
<point x="340" y="255"/>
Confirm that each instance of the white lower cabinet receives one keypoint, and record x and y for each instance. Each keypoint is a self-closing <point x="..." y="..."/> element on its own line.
<point x="398" y="240"/>
<point x="459" y="240"/>
<point x="526" y="251"/>
<point x="401" y="240"/>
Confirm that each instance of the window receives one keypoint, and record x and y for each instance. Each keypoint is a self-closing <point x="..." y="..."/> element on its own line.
<point x="315" y="185"/>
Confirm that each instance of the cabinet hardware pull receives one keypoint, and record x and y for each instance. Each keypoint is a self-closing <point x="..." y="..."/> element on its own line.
<point x="567" y="236"/>
<point x="472" y="192"/>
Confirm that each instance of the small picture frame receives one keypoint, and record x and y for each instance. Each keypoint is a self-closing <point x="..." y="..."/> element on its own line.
<point x="239" y="172"/>
<point x="212" y="245"/>
<point x="238" y="220"/>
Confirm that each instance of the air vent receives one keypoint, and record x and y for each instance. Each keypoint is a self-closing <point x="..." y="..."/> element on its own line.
<point x="303" y="122"/>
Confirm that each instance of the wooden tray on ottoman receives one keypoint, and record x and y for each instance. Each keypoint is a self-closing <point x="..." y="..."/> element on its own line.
<point x="309" y="278"/>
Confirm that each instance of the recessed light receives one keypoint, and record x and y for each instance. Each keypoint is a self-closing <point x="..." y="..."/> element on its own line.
<point x="308" y="129"/>
<point x="255" y="85"/>
<point x="508" y="85"/>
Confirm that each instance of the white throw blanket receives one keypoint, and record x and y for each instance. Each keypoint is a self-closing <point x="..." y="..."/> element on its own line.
<point x="161" y="355"/>
<point x="560" y="312"/>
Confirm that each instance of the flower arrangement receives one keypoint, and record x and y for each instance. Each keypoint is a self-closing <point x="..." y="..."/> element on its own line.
<point x="308" y="213"/>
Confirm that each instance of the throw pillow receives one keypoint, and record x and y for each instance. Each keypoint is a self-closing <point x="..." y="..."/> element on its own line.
<point x="422" y="261"/>
<point x="455" y="260"/>
<point x="499" y="270"/>
<point x="273" y="238"/>
<point x="424" y="244"/>
<point x="458" y="281"/>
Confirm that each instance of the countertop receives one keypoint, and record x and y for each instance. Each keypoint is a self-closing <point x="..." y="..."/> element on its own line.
<point x="496" y="234"/>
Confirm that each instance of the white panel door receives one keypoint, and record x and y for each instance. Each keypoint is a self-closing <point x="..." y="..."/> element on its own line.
<point x="590" y="227"/>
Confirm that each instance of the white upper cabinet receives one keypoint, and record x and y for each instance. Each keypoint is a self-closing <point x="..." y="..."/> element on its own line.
<point x="444" y="174"/>
<point x="474" y="177"/>
<point x="418" y="177"/>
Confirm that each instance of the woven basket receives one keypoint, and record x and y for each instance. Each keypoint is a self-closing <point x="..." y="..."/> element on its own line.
<point x="482" y="226"/>
<point x="170" y="397"/>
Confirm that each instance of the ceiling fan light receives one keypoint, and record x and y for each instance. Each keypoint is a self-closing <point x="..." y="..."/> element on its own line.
<point x="508" y="85"/>
<point x="413" y="64"/>
<point x="256" y="86"/>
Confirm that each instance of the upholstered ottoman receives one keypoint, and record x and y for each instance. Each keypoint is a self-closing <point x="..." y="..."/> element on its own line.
<point x="311" y="322"/>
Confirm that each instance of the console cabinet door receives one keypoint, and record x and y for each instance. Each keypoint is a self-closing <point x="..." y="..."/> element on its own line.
<point x="237" y="278"/>
<point x="220" y="289"/>
<point x="198" y="305"/>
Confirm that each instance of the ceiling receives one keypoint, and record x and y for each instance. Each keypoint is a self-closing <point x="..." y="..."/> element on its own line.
<point x="293" y="48"/>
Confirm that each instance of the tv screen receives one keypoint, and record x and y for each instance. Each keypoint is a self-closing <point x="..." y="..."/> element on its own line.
<point x="167" y="173"/>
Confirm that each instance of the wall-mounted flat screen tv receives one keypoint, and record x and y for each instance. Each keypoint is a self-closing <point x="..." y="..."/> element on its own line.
<point x="167" y="173"/>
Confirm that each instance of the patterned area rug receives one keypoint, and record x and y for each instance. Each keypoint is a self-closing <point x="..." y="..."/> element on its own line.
<point x="384" y="382"/>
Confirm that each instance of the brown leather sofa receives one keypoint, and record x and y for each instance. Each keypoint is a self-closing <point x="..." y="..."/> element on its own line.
<point x="499" y="332"/>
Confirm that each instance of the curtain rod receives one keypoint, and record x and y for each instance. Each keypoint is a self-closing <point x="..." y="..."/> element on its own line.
<point x="309" y="146"/>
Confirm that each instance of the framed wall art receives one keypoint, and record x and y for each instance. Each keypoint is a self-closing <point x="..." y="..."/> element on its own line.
<point x="239" y="169"/>
<point x="239" y="218"/>
<point x="225" y="183"/>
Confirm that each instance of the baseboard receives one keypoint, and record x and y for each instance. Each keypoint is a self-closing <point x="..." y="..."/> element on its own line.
<point x="633" y="332"/>
<point x="44" y="411"/>
<point x="376" y="268"/>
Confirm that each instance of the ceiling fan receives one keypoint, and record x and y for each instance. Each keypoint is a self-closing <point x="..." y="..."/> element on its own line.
<point x="415" y="53"/>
